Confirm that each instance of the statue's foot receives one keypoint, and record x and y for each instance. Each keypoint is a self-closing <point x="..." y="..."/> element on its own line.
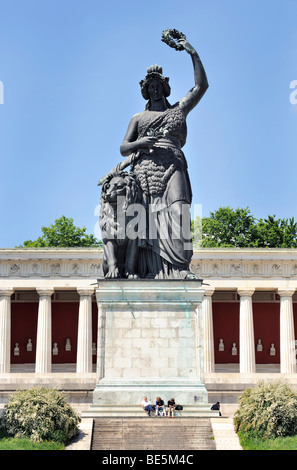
<point x="191" y="276"/>
<point x="188" y="275"/>
<point x="113" y="273"/>
<point x="132" y="276"/>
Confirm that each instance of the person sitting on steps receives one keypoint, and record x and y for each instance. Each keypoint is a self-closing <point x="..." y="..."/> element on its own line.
<point x="146" y="405"/>
<point x="160" y="406"/>
<point x="171" y="407"/>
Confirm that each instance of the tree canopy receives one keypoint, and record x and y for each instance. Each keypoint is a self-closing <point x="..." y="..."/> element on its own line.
<point x="63" y="233"/>
<point x="227" y="227"/>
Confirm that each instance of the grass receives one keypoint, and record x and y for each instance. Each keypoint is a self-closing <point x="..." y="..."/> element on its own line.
<point x="280" y="443"/>
<point x="11" y="443"/>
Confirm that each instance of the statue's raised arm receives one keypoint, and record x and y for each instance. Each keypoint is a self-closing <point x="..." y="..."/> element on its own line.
<point x="178" y="41"/>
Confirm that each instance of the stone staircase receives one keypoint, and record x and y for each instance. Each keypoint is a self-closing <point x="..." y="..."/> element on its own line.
<point x="159" y="433"/>
<point x="120" y="411"/>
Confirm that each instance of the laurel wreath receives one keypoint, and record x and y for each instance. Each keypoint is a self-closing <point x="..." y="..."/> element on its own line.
<point x="169" y="36"/>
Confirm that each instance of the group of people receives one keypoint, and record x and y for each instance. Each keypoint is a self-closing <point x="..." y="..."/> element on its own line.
<point x="159" y="407"/>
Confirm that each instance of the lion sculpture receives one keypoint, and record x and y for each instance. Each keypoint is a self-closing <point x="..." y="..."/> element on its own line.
<point x="119" y="191"/>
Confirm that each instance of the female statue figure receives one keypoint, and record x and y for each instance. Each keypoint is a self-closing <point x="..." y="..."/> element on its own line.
<point x="156" y="136"/>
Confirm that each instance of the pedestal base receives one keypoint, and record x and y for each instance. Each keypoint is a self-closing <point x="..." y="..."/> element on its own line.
<point x="185" y="392"/>
<point x="149" y="343"/>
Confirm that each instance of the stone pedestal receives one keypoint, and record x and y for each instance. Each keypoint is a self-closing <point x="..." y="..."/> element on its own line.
<point x="149" y="342"/>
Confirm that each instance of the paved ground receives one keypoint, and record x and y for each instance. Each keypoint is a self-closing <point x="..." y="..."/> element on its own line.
<point x="224" y="435"/>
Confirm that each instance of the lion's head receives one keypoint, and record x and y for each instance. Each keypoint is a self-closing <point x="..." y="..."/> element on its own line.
<point x="118" y="192"/>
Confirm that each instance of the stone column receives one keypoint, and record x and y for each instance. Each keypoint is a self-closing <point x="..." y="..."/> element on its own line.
<point x="5" y="330"/>
<point x="247" y="362"/>
<point x="43" y="363"/>
<point x="287" y="334"/>
<point x="207" y="328"/>
<point x="84" y="338"/>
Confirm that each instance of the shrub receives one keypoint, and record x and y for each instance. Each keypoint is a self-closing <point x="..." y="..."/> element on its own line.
<point x="40" y="414"/>
<point x="267" y="411"/>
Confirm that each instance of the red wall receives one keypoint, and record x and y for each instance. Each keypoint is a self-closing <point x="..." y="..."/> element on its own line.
<point x="65" y="325"/>
<point x="226" y="326"/>
<point x="267" y="328"/>
<point x="24" y="317"/>
<point x="23" y="326"/>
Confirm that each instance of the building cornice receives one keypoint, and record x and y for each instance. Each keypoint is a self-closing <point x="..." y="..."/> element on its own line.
<point x="214" y="264"/>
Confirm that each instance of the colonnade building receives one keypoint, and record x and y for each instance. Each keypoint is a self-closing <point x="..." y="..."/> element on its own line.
<point x="49" y="316"/>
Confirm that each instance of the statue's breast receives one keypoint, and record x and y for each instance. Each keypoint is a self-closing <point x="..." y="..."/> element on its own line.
<point x="173" y="121"/>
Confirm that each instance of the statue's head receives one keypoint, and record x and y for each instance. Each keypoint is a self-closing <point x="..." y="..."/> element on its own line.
<point x="154" y="73"/>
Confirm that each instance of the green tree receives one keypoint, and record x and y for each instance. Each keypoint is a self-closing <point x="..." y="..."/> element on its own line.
<point x="63" y="233"/>
<point x="227" y="227"/>
<point x="276" y="233"/>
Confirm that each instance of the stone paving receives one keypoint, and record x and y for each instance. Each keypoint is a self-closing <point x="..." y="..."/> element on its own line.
<point x="224" y="434"/>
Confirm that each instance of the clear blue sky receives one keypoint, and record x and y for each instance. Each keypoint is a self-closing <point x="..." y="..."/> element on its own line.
<point x="71" y="72"/>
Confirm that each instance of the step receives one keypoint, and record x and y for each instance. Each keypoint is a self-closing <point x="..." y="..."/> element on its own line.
<point x="96" y="411"/>
<point x="157" y="434"/>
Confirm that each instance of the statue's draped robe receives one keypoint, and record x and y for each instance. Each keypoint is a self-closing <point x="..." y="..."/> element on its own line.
<point x="165" y="242"/>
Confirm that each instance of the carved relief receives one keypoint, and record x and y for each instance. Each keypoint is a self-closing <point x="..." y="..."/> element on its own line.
<point x="75" y="269"/>
<point x="35" y="268"/>
<point x="294" y="270"/>
<point x="211" y="266"/>
<point x="55" y="268"/>
<point x="95" y="268"/>
<point x="215" y="269"/>
<point x="276" y="269"/>
<point x="235" y="269"/>
<point x="256" y="269"/>
<point x="196" y="268"/>
<point x="14" y="269"/>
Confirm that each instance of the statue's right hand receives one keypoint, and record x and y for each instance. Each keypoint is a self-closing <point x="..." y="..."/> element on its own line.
<point x="146" y="142"/>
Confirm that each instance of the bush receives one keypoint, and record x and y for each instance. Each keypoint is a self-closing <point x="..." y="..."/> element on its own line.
<point x="40" y="414"/>
<point x="267" y="411"/>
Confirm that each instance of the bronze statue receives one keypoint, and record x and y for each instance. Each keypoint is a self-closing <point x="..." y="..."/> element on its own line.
<point x="153" y="147"/>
